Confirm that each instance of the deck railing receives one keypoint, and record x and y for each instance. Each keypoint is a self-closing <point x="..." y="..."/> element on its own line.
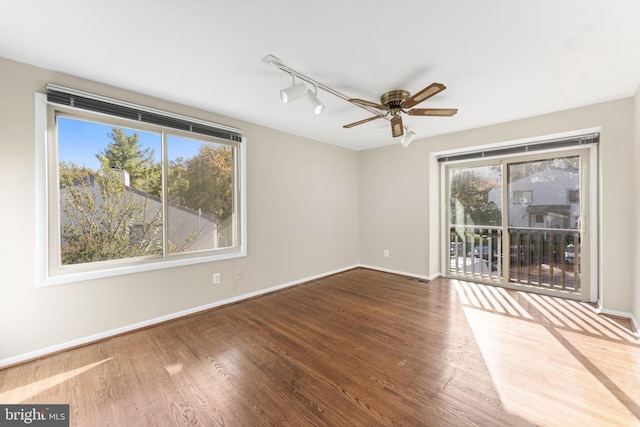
<point x="476" y="252"/>
<point x="545" y="257"/>
<point x="541" y="257"/>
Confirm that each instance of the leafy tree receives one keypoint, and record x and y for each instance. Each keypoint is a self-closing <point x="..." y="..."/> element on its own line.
<point x="103" y="220"/>
<point x="469" y="198"/>
<point x="177" y="182"/>
<point x="490" y="214"/>
<point x="209" y="181"/>
<point x="125" y="153"/>
<point x="70" y="172"/>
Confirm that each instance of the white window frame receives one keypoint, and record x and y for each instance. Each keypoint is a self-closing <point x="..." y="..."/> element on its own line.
<point x="45" y="276"/>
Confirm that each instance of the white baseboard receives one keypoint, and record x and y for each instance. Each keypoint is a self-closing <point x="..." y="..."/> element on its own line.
<point x="402" y="273"/>
<point x="630" y="316"/>
<point x="146" y="323"/>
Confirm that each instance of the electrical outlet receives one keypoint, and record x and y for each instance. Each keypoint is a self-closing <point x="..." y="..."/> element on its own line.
<point x="239" y="275"/>
<point x="216" y="278"/>
<point x="386" y="253"/>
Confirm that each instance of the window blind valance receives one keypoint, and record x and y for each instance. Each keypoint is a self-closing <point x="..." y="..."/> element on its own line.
<point x="100" y="104"/>
<point x="593" y="138"/>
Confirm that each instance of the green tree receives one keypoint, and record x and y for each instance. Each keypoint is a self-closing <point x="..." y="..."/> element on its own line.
<point x="209" y="181"/>
<point x="490" y="214"/>
<point x="70" y="172"/>
<point x="177" y="183"/>
<point x="469" y="199"/>
<point x="124" y="153"/>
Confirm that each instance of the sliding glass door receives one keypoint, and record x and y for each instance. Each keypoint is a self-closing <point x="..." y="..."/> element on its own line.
<point x="522" y="221"/>
<point x="475" y="220"/>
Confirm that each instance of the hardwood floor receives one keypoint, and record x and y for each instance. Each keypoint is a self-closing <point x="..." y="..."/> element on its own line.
<point x="361" y="348"/>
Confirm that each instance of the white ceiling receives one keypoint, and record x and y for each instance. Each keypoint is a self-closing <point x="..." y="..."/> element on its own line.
<point x="500" y="59"/>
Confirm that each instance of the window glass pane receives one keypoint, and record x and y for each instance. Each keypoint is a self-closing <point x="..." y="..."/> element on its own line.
<point x="200" y="190"/>
<point x="475" y="195"/>
<point x="544" y="234"/>
<point x="110" y="181"/>
<point x="544" y="193"/>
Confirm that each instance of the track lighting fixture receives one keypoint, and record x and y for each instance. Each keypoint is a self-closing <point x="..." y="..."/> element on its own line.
<point x="299" y="90"/>
<point x="313" y="96"/>
<point x="407" y="138"/>
<point x="275" y="62"/>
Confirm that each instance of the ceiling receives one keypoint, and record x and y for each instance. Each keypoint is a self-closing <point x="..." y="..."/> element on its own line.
<point x="501" y="60"/>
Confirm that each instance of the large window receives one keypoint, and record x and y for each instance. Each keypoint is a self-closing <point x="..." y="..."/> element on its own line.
<point x="133" y="195"/>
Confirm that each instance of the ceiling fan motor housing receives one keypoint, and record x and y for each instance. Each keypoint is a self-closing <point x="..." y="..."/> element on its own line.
<point x="394" y="99"/>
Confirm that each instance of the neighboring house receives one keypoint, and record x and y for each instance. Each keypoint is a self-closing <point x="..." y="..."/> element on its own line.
<point x="546" y="199"/>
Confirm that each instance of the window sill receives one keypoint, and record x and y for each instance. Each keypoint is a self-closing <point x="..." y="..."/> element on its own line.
<point x="74" y="277"/>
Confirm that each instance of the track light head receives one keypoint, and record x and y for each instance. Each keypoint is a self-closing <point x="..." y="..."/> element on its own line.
<point x="294" y="92"/>
<point x="318" y="106"/>
<point x="408" y="137"/>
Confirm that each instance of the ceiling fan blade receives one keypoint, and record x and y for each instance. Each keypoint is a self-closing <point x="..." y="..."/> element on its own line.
<point x="396" y="127"/>
<point x="443" y="112"/>
<point x="367" y="103"/>
<point x="426" y="93"/>
<point x="350" y="125"/>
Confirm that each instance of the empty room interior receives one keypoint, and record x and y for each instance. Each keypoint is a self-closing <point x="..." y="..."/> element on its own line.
<point x="350" y="213"/>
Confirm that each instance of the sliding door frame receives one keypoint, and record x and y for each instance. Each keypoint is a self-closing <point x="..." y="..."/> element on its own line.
<point x="588" y="214"/>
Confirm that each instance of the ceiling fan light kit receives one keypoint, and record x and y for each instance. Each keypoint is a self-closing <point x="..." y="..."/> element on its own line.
<point x="408" y="137"/>
<point x="391" y="107"/>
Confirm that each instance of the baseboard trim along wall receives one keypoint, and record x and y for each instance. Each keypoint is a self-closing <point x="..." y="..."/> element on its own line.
<point x="630" y="316"/>
<point x="144" y="324"/>
<point x="402" y="273"/>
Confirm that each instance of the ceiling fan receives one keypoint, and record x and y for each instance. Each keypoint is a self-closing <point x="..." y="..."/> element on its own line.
<point x="396" y="102"/>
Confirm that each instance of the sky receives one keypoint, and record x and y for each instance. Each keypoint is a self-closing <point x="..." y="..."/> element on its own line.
<point x="79" y="141"/>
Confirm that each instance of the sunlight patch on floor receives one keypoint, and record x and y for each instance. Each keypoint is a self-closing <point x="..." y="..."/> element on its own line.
<point x="19" y="394"/>
<point x="554" y="384"/>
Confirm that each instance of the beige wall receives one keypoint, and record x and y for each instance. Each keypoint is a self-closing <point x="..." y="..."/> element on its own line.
<point x="302" y="222"/>
<point x="399" y="194"/>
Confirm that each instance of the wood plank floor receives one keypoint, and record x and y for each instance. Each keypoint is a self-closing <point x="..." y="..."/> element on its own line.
<point x="361" y="348"/>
